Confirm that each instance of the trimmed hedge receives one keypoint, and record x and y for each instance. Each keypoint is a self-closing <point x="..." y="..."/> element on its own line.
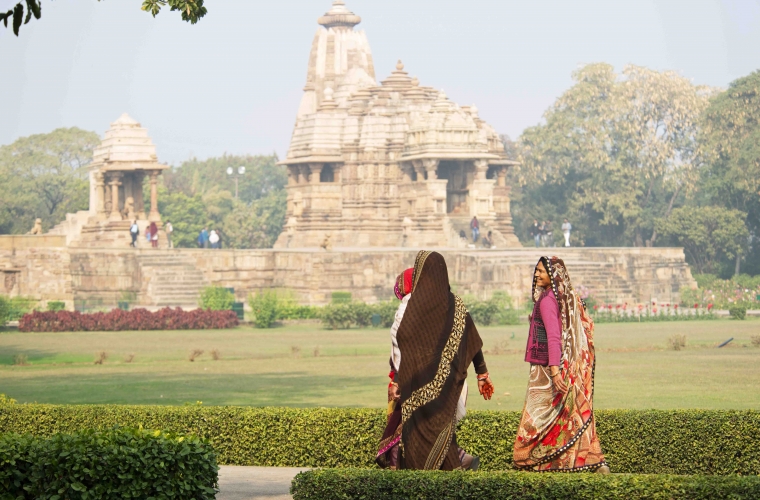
<point x="644" y="442"/>
<point x="119" y="463"/>
<point x="340" y="484"/>
<point x="118" y="320"/>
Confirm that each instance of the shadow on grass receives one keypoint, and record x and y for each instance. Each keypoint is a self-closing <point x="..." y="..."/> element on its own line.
<point x="298" y="389"/>
<point x="9" y="352"/>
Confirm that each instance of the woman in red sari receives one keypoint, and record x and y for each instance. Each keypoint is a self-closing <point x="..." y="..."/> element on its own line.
<point x="557" y="430"/>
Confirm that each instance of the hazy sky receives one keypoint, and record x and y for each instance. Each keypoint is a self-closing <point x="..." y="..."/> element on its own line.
<point x="232" y="82"/>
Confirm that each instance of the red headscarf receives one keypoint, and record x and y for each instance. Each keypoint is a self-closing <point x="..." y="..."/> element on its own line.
<point x="404" y="283"/>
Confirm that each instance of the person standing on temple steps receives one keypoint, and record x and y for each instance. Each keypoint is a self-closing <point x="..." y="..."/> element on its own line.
<point x="169" y="229"/>
<point x="134" y="231"/>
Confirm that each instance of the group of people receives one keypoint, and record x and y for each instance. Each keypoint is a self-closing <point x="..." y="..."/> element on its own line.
<point x="433" y="342"/>
<point x="543" y="234"/>
<point x="151" y="234"/>
<point x="209" y="239"/>
<point x="486" y="241"/>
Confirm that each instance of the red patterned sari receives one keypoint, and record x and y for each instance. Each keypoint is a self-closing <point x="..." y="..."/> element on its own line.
<point x="557" y="431"/>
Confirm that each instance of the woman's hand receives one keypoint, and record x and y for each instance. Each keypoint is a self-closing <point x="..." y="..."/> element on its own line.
<point x="393" y="392"/>
<point x="485" y="386"/>
<point x="558" y="382"/>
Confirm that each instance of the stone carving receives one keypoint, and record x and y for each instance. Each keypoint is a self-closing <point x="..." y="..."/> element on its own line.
<point x="367" y="156"/>
<point x="10" y="281"/>
<point x="129" y="209"/>
<point x="37" y="228"/>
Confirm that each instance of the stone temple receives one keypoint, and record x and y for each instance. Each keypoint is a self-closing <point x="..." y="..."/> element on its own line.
<point x="388" y="164"/>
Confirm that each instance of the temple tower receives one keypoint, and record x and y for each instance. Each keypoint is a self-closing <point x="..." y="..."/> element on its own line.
<point x="386" y="164"/>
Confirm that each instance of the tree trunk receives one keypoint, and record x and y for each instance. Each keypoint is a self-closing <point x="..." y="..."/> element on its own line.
<point x="738" y="266"/>
<point x="651" y="241"/>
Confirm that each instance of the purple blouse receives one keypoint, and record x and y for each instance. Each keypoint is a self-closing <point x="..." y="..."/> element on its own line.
<point x="547" y="313"/>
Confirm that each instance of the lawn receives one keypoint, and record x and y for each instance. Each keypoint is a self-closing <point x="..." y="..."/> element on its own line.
<point x="303" y="365"/>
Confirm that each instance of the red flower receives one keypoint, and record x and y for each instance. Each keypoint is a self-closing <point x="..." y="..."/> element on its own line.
<point x="696" y="306"/>
<point x="675" y="306"/>
<point x="709" y="306"/>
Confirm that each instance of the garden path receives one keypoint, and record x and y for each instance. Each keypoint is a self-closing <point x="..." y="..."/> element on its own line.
<point x="245" y="483"/>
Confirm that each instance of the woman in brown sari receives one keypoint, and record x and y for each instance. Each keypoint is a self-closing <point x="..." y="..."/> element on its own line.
<point x="438" y="341"/>
<point x="557" y="430"/>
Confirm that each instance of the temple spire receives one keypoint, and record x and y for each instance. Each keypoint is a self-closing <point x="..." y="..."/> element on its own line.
<point x="339" y="17"/>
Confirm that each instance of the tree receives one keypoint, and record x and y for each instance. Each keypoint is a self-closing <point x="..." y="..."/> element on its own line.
<point x="615" y="153"/>
<point x="191" y="11"/>
<point x="45" y="176"/>
<point x="257" y="225"/>
<point x="187" y="214"/>
<point x="731" y="138"/>
<point x="708" y="234"/>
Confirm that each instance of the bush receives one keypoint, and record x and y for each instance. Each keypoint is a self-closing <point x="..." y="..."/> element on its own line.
<point x="216" y="298"/>
<point x="119" y="463"/>
<point x="11" y="309"/>
<point x="328" y="484"/>
<point x="338" y="316"/>
<point x="264" y="308"/>
<point x="634" y="441"/>
<point x="56" y="305"/>
<point x="737" y="311"/>
<point x="496" y="310"/>
<point x="117" y="320"/>
<point x="341" y="297"/>
<point x="5" y="308"/>
<point x="288" y="307"/>
<point x="341" y="316"/>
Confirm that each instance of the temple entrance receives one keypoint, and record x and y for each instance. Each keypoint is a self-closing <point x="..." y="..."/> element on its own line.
<point x="455" y="172"/>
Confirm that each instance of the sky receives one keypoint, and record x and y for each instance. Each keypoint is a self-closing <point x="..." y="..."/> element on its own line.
<point x="232" y="83"/>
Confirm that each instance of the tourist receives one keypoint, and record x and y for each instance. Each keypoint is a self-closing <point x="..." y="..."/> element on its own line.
<point x="147" y="235"/>
<point x="475" y="226"/>
<point x="203" y="238"/>
<point x="168" y="230"/>
<point x="153" y="235"/>
<point x="557" y="431"/>
<point x="535" y="232"/>
<point x="134" y="231"/>
<point x="437" y="341"/>
<point x="213" y="238"/>
<point x="488" y="240"/>
<point x="566" y="228"/>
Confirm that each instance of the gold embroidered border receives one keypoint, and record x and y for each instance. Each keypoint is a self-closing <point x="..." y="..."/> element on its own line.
<point x="432" y="389"/>
<point x="441" y="447"/>
<point x="422" y="255"/>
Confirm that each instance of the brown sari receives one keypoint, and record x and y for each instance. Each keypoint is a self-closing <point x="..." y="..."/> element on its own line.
<point x="438" y="340"/>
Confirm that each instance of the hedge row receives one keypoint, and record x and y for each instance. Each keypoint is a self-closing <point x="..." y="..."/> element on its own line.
<point x="119" y="463"/>
<point x="117" y="320"/>
<point x="645" y="442"/>
<point x="340" y="484"/>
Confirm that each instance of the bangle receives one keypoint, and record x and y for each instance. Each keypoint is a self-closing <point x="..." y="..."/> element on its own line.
<point x="483" y="378"/>
<point x="552" y="375"/>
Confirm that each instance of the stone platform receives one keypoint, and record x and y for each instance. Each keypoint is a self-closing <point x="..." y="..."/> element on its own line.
<point x="161" y="277"/>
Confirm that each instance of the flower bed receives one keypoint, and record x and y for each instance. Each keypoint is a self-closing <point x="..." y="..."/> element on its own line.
<point x="623" y="313"/>
<point x="117" y="320"/>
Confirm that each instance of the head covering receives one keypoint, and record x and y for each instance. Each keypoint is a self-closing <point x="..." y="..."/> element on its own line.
<point x="403" y="284"/>
<point x="437" y="340"/>
<point x="153" y="228"/>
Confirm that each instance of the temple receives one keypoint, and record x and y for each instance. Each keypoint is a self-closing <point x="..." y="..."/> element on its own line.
<point x="394" y="164"/>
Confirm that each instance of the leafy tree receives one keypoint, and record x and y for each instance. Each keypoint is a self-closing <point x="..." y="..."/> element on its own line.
<point x="191" y="11"/>
<point x="731" y="137"/>
<point x="187" y="214"/>
<point x="706" y="233"/>
<point x="615" y="153"/>
<point x="45" y="175"/>
<point x="256" y="225"/>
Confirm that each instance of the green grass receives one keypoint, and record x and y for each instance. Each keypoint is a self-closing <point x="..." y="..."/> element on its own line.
<point x="262" y="367"/>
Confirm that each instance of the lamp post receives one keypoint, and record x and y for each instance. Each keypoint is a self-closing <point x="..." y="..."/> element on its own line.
<point x="236" y="174"/>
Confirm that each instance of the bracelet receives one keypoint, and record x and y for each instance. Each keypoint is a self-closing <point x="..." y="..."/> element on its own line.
<point x="552" y="375"/>
<point x="483" y="378"/>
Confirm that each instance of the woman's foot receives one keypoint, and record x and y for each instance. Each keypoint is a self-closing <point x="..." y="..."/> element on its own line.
<point x="604" y="469"/>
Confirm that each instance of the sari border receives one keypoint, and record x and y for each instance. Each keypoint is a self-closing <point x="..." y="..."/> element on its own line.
<point x="419" y="262"/>
<point x="583" y="468"/>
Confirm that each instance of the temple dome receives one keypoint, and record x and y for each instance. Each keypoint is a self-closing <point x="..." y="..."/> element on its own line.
<point x="125" y="141"/>
<point x="339" y="17"/>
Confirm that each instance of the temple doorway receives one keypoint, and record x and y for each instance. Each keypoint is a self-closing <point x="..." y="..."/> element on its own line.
<point x="457" y="190"/>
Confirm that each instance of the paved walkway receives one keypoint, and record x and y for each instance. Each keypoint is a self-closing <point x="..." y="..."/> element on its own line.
<point x="245" y="483"/>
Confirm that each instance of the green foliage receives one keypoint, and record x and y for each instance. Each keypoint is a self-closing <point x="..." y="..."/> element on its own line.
<point x="645" y="314"/>
<point x="191" y="11"/>
<point x="737" y="311"/>
<point x="11" y="309"/>
<point x="256" y="225"/>
<point x="216" y="298"/>
<point x="497" y="310"/>
<point x="639" y="442"/>
<point x="341" y="297"/>
<point x="5" y="308"/>
<point x="329" y="484"/>
<point x="5" y="400"/>
<point x="288" y="307"/>
<point x="708" y="234"/>
<point x="343" y="315"/>
<point x="264" y="308"/>
<point x="56" y="305"/>
<point x="338" y="316"/>
<point x="44" y="176"/>
<point x="615" y="153"/>
<point x="704" y="280"/>
<point x="740" y="290"/>
<point x="117" y="463"/>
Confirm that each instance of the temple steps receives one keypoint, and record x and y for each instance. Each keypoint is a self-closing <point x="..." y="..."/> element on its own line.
<point x="170" y="279"/>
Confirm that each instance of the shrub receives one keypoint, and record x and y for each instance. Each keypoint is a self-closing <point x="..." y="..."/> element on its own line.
<point x="755" y="340"/>
<point x="56" y="305"/>
<point x="737" y="311"/>
<point x="341" y="297"/>
<point x="634" y="441"/>
<point x="496" y="310"/>
<point x="118" y="463"/>
<point x="11" y="309"/>
<point x="338" y="316"/>
<point x="264" y="308"/>
<point x="677" y="342"/>
<point x="118" y="320"/>
<point x="5" y="400"/>
<point x="5" y="308"/>
<point x="288" y="307"/>
<point x="329" y="484"/>
<point x="216" y="298"/>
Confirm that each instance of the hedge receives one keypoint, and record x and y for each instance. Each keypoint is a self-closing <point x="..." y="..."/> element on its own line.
<point x="118" y="320"/>
<point x="335" y="484"/>
<point x="118" y="463"/>
<point x="645" y="442"/>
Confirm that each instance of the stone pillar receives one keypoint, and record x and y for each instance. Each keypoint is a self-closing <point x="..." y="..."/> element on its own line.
<point x="304" y="177"/>
<point x="154" y="215"/>
<point x="115" y="183"/>
<point x="406" y="171"/>
<point x="100" y="195"/>
<point x="420" y="169"/>
<point x="501" y="177"/>
<point x="316" y="169"/>
<point x="138" y="190"/>
<point x="293" y="175"/>
<point x="431" y="167"/>
<point x="337" y="169"/>
<point x="481" y="168"/>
